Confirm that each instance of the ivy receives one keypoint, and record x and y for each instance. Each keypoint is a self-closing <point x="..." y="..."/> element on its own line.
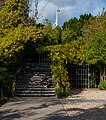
<point x="13" y="42"/>
<point x="60" y="56"/>
<point x="16" y="29"/>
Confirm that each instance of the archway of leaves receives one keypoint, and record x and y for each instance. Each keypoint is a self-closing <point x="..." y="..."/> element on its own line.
<point x="61" y="55"/>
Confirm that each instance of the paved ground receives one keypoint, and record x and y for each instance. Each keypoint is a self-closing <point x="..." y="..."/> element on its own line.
<point x="87" y="104"/>
<point x="35" y="108"/>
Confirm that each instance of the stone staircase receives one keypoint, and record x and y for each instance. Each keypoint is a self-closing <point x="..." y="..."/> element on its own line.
<point x="30" y="80"/>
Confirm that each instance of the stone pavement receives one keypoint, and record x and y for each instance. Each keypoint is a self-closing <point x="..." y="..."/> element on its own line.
<point x="33" y="108"/>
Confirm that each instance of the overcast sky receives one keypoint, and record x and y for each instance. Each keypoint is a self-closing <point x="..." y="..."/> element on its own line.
<point x="69" y="8"/>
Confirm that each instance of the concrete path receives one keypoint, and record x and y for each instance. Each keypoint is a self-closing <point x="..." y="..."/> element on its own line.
<point x="34" y="108"/>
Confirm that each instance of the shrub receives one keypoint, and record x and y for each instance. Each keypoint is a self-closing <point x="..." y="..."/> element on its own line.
<point x="60" y="75"/>
<point x="61" y="93"/>
<point x="102" y="85"/>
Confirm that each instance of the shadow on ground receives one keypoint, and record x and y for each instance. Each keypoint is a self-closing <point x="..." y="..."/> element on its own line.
<point x="98" y="113"/>
<point x="33" y="109"/>
<point x="24" y="114"/>
<point x="15" y="114"/>
<point x="76" y="91"/>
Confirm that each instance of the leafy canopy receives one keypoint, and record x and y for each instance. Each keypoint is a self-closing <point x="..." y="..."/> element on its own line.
<point x="15" y="30"/>
<point x="94" y="34"/>
<point x="72" y="29"/>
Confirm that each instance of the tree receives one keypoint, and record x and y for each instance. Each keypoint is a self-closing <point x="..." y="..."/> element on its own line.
<point x="72" y="29"/>
<point x="94" y="34"/>
<point x="13" y="13"/>
<point x="16" y="29"/>
<point x="50" y="37"/>
<point x="13" y="42"/>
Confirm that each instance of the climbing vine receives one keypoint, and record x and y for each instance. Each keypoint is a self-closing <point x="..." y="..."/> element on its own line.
<point x="61" y="55"/>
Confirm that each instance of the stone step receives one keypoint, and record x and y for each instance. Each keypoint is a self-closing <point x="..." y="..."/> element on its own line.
<point x="36" y="64"/>
<point x="36" y="89"/>
<point x="31" y="70"/>
<point x="34" y="95"/>
<point x="39" y="74"/>
<point x="31" y="86"/>
<point x="29" y="80"/>
<point x="35" y="68"/>
<point x="32" y="80"/>
<point x="35" y="92"/>
<point x="23" y="77"/>
<point x="26" y="75"/>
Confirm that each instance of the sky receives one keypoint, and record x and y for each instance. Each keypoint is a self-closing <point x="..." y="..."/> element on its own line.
<point x="68" y="9"/>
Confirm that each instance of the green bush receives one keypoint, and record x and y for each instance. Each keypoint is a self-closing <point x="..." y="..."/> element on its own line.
<point x="60" y="75"/>
<point x="61" y="93"/>
<point x="102" y="85"/>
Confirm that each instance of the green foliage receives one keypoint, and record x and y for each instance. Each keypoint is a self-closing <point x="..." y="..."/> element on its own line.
<point x="84" y="19"/>
<point x="68" y="35"/>
<point x="96" y="26"/>
<point x="5" y="81"/>
<point x="13" y="14"/>
<point x="72" y="29"/>
<point x="72" y="52"/>
<point x="50" y="37"/>
<point x="60" y="75"/>
<point x="60" y="92"/>
<point x="59" y="72"/>
<point x="14" y="41"/>
<point x="95" y="40"/>
<point x="16" y="29"/>
<point x="53" y="36"/>
<point x="61" y="55"/>
<point x="83" y="41"/>
<point x="96" y="49"/>
<point x="102" y="85"/>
